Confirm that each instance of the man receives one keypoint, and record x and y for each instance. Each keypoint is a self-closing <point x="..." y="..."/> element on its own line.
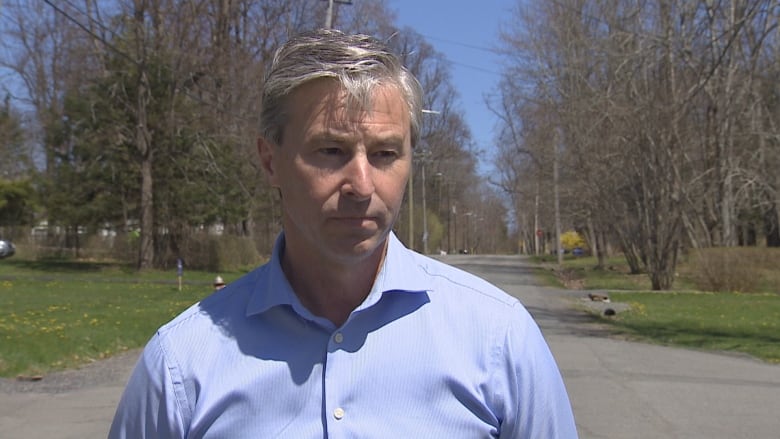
<point x="345" y="333"/>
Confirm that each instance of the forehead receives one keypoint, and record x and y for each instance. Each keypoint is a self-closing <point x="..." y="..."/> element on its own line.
<point x="326" y="102"/>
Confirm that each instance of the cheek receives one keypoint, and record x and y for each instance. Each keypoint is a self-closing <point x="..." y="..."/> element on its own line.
<point x="297" y="192"/>
<point x="317" y="187"/>
<point x="391" y="190"/>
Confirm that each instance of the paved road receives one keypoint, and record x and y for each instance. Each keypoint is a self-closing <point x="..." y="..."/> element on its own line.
<point x="625" y="390"/>
<point x="619" y="389"/>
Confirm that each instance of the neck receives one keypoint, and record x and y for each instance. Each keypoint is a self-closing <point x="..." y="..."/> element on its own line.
<point x="328" y="288"/>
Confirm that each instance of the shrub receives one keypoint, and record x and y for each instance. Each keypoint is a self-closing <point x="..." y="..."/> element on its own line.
<point x="205" y="251"/>
<point x="231" y="253"/>
<point x="735" y="269"/>
<point x="571" y="240"/>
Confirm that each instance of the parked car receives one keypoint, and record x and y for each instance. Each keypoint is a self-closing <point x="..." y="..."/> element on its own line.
<point x="7" y="249"/>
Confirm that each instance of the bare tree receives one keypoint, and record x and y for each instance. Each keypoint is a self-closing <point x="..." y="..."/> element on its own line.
<point x="663" y="116"/>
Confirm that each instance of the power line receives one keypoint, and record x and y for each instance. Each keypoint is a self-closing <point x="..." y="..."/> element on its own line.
<point x="88" y="16"/>
<point x="480" y="69"/>
<point x="89" y="31"/>
<point x="467" y="45"/>
<point x="126" y="55"/>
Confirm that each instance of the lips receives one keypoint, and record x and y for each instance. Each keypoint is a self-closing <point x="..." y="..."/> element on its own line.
<point x="356" y="219"/>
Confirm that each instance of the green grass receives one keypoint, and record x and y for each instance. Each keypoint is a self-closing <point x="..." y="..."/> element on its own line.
<point x="63" y="269"/>
<point x="746" y="323"/>
<point x="58" y="314"/>
<point x="724" y="321"/>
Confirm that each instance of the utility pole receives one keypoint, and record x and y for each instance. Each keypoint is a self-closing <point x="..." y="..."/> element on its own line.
<point x="424" y="208"/>
<point x="558" y="249"/>
<point x="439" y="179"/>
<point x="410" y="189"/>
<point x="537" y="232"/>
<point x="329" y="14"/>
<point x="424" y="156"/>
<point x="469" y="220"/>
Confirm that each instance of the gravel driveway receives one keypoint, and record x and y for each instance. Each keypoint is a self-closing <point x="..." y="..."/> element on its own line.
<point x="111" y="371"/>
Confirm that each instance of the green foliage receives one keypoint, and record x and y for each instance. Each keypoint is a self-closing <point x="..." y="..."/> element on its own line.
<point x="17" y="201"/>
<point x="92" y="175"/>
<point x="15" y="161"/>
<point x="191" y="188"/>
<point x="94" y="172"/>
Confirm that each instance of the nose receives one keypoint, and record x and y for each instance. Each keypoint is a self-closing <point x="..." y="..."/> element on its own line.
<point x="358" y="181"/>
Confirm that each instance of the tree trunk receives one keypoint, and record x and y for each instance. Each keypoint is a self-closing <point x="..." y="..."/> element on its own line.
<point x="143" y="144"/>
<point x="556" y="196"/>
<point x="146" y="250"/>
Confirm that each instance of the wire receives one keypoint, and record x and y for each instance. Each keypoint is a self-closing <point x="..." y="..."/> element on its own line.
<point x="89" y="31"/>
<point x="458" y="43"/>
<point x="481" y="69"/>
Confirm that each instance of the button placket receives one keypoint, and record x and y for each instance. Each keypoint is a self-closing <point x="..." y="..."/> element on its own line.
<point x="338" y="381"/>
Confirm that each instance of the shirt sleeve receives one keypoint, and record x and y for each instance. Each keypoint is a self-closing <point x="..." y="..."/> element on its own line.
<point x="535" y="401"/>
<point x="149" y="407"/>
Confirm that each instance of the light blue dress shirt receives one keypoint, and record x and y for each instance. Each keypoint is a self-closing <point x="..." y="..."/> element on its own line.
<point x="432" y="352"/>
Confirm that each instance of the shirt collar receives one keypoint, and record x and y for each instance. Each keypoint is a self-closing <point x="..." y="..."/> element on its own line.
<point x="400" y="272"/>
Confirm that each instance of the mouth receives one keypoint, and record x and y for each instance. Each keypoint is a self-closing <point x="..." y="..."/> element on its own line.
<point x="357" y="220"/>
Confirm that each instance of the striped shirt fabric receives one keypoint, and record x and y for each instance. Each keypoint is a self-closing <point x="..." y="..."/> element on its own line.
<point x="432" y="352"/>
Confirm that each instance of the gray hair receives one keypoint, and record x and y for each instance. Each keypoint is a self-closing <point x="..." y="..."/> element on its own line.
<point x="359" y="63"/>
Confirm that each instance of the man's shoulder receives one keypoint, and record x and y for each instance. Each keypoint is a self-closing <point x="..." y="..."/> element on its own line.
<point x="222" y="306"/>
<point x="457" y="283"/>
<point x="468" y="304"/>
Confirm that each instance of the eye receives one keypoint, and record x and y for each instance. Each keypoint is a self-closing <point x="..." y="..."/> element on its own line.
<point x="384" y="157"/>
<point x="386" y="154"/>
<point x="330" y="151"/>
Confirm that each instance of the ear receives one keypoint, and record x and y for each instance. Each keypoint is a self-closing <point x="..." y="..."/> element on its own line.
<point x="266" y="151"/>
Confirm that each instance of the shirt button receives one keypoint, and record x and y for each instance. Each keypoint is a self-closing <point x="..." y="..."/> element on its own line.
<point x="338" y="413"/>
<point x="338" y="338"/>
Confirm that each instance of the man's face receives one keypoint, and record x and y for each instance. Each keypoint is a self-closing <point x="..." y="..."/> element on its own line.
<point x="341" y="170"/>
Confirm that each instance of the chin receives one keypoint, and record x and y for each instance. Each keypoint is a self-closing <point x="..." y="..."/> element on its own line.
<point x="360" y="249"/>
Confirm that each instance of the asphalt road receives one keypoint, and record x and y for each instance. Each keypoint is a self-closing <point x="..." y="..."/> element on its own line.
<point x="618" y="389"/>
<point x="625" y="390"/>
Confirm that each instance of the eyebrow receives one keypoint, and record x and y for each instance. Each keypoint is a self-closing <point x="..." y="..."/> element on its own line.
<point x="346" y="136"/>
<point x="332" y="136"/>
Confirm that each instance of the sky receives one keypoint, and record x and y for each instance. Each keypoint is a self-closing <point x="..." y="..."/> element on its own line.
<point x="464" y="31"/>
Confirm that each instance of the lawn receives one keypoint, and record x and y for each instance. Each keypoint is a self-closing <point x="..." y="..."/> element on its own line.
<point x="746" y="323"/>
<point x="57" y="315"/>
